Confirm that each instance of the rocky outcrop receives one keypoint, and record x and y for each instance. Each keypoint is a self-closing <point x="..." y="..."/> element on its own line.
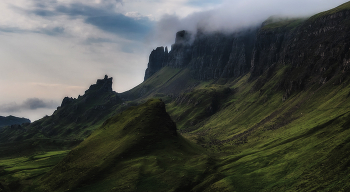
<point x="157" y="60"/>
<point x="209" y="56"/>
<point x="66" y="101"/>
<point x="102" y="85"/>
<point x="180" y="54"/>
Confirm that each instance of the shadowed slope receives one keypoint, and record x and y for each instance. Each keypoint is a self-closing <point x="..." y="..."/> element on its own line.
<point x="137" y="150"/>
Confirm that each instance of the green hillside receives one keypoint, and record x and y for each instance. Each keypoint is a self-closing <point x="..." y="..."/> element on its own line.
<point x="137" y="150"/>
<point x="283" y="126"/>
<point x="296" y="144"/>
<point x="256" y="136"/>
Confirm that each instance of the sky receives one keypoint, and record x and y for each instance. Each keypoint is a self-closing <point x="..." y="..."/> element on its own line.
<point x="50" y="49"/>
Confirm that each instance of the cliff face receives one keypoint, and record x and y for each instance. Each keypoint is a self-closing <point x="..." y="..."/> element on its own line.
<point x="314" y="50"/>
<point x="157" y="60"/>
<point x="317" y="47"/>
<point x="209" y="56"/>
<point x="221" y="56"/>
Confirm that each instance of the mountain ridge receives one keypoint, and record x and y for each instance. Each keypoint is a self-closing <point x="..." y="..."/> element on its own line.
<point x="268" y="106"/>
<point x="132" y="137"/>
<point x="12" y="120"/>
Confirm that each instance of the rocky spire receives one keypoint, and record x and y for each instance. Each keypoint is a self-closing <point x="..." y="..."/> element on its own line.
<point x="157" y="60"/>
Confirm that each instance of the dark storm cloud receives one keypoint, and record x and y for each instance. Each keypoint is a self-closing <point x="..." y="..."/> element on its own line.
<point x="102" y="16"/>
<point x="29" y="104"/>
<point x="107" y="20"/>
<point x="122" y="25"/>
<point x="44" y="13"/>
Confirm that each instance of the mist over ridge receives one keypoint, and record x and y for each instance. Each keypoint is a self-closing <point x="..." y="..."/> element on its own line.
<point x="232" y="16"/>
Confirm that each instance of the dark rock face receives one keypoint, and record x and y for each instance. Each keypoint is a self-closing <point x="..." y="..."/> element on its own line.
<point x="221" y="56"/>
<point x="66" y="101"/>
<point x="180" y="54"/>
<point x="209" y="56"/>
<point x="317" y="47"/>
<point x="102" y="85"/>
<point x="157" y="60"/>
<point x="165" y="119"/>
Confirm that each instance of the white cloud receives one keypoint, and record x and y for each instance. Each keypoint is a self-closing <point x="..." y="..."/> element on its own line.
<point x="236" y="14"/>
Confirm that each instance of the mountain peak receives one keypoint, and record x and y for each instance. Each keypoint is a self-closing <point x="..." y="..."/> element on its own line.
<point x="105" y="84"/>
<point x="182" y="37"/>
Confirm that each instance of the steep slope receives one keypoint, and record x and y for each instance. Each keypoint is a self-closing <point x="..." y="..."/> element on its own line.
<point x="209" y="56"/>
<point x="283" y="124"/>
<point x="271" y="104"/>
<point x="137" y="150"/>
<point x="12" y="120"/>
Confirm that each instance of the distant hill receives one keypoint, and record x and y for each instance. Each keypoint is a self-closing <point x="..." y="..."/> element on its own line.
<point x="12" y="120"/>
<point x="75" y="119"/>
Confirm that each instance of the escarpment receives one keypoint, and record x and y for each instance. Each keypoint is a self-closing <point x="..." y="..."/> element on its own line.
<point x="209" y="56"/>
<point x="316" y="47"/>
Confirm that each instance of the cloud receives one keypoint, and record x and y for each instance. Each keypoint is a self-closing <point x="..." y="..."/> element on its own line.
<point x="67" y="44"/>
<point x="122" y="25"/>
<point x="103" y="16"/>
<point x="79" y="9"/>
<point x="29" y="104"/>
<point x="234" y="15"/>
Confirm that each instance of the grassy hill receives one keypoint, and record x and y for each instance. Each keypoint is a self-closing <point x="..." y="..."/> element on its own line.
<point x="284" y="129"/>
<point x="299" y="143"/>
<point x="137" y="150"/>
<point x="249" y="136"/>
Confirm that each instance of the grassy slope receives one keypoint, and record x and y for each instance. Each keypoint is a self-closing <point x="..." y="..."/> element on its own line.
<point x="133" y="151"/>
<point x="18" y="172"/>
<point x="343" y="7"/>
<point x="262" y="142"/>
<point x="299" y="144"/>
<point x="164" y="84"/>
<point x="283" y="24"/>
<point x="296" y="145"/>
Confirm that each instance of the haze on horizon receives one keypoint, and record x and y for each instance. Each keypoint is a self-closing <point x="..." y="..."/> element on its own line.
<point x="55" y="48"/>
